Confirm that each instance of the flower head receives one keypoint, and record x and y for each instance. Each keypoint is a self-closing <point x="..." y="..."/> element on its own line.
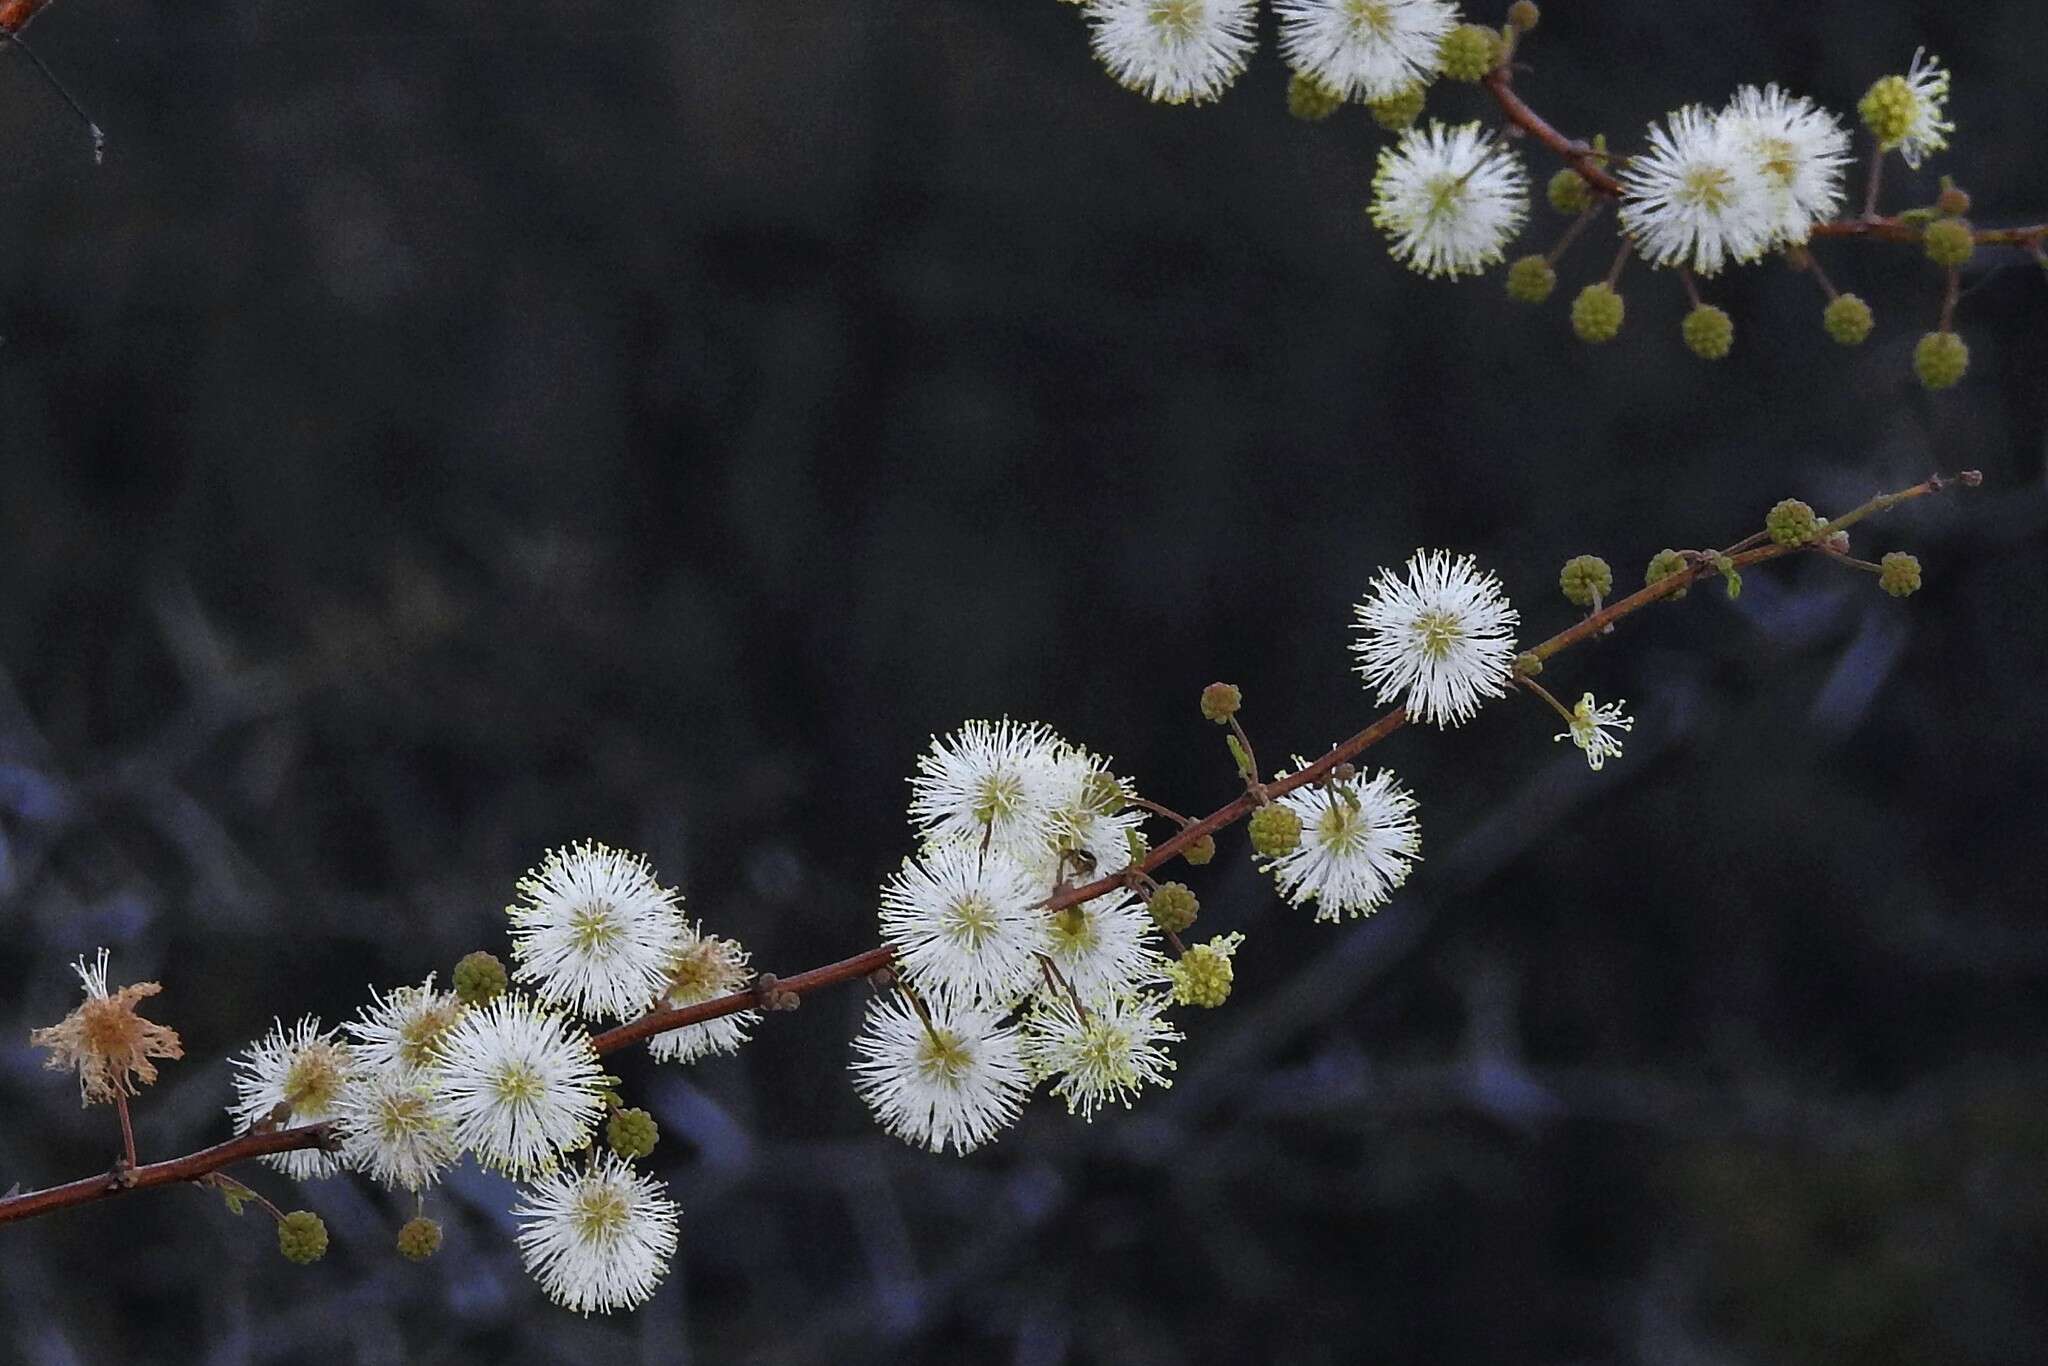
<point x="520" y="1084"/>
<point x="1365" y="49"/>
<point x="1906" y="112"/>
<point x="1699" y="196"/>
<point x="1091" y="812"/>
<point x="296" y="1076"/>
<point x="702" y="968"/>
<point x="393" y="1126"/>
<point x="1589" y="729"/>
<point x="594" y="930"/>
<point x="956" y="1082"/>
<point x="995" y="784"/>
<point x="1449" y="198"/>
<point x="398" y="1030"/>
<point x="1173" y="51"/>
<point x="597" y="1236"/>
<point x="1106" y="945"/>
<point x="1359" y="839"/>
<point x="966" y="924"/>
<point x="1440" y="640"/>
<point x="105" y="1040"/>
<point x="1109" y="1054"/>
<point x="1801" y="150"/>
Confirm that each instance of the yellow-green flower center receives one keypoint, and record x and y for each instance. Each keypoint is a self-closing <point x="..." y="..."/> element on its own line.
<point x="942" y="1057"/>
<point x="1436" y="632"/>
<point x="516" y="1083"/>
<point x="1708" y="187"/>
<point x="313" y="1080"/>
<point x="969" y="921"/>
<point x="595" y="926"/>
<point x="1179" y="18"/>
<point x="601" y="1213"/>
<point x="1369" y="17"/>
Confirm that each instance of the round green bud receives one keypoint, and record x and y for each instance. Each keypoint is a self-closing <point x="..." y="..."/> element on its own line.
<point x="1397" y="111"/>
<point x="1597" y="313"/>
<point x="479" y="977"/>
<point x="1568" y="192"/>
<point x="1201" y="976"/>
<point x="302" y="1237"/>
<point x="1940" y="359"/>
<point x="1847" y="319"/>
<point x="1949" y="242"/>
<point x="1887" y="109"/>
<point x="1585" y="579"/>
<point x="1275" y="830"/>
<point x="1200" y="851"/>
<point x="1469" y="51"/>
<point x="1309" y="100"/>
<point x="1663" y="565"/>
<point x="1899" y="574"/>
<point x="1174" y="907"/>
<point x="1220" y="702"/>
<point x="1953" y="200"/>
<point x="1708" y="331"/>
<point x="419" y="1239"/>
<point x="1523" y="14"/>
<point x="1791" y="523"/>
<point x="631" y="1133"/>
<point x="1528" y="664"/>
<point x="1530" y="280"/>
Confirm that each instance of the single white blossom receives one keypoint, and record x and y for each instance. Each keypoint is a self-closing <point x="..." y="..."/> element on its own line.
<point x="598" y="1235"/>
<point x="393" y="1127"/>
<point x="1801" y="149"/>
<point x="1109" y="1054"/>
<point x="956" y="1083"/>
<point x="1106" y="945"/>
<point x="1589" y="729"/>
<point x="594" y="930"/>
<point x="1092" y="816"/>
<point x="296" y="1075"/>
<point x="703" y="968"/>
<point x="1173" y="51"/>
<point x="1359" y="839"/>
<point x="520" y="1083"/>
<point x="993" y="784"/>
<point x="967" y="924"/>
<point x="1698" y="197"/>
<point x="1923" y="95"/>
<point x="1365" y="49"/>
<point x="1449" y="199"/>
<point x="398" y="1030"/>
<point x="1440" y="640"/>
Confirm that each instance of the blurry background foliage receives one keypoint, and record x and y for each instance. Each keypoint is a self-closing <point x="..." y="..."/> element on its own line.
<point x="446" y="430"/>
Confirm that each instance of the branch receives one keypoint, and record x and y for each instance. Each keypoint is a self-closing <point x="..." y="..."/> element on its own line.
<point x="198" y="1166"/>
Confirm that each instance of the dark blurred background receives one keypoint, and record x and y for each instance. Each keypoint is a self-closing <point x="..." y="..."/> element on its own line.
<point x="441" y="431"/>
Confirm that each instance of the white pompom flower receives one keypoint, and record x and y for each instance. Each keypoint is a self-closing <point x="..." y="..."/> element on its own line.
<point x="1109" y="1054"/>
<point x="593" y="931"/>
<point x="296" y="1075"/>
<point x="1440" y="640"/>
<point x="1589" y="727"/>
<point x="703" y="968"/>
<point x="520" y="1083"/>
<point x="1106" y="945"/>
<point x="1092" y="816"/>
<point x="1802" y="150"/>
<point x="1365" y="49"/>
<point x="398" y="1030"/>
<point x="1909" y="112"/>
<point x="393" y="1127"/>
<point x="1698" y="197"/>
<point x="598" y="1235"/>
<point x="1449" y="199"/>
<point x="1359" y="838"/>
<point x="1173" y="51"/>
<point x="968" y="925"/>
<point x="955" y="1084"/>
<point x="989" y="783"/>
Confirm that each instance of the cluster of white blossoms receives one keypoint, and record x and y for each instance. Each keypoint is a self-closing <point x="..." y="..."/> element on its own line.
<point x="512" y="1077"/>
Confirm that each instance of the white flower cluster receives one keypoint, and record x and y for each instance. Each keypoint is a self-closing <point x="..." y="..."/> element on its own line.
<point x="420" y="1078"/>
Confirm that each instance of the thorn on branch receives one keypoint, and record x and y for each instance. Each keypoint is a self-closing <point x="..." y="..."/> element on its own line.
<point x="770" y="995"/>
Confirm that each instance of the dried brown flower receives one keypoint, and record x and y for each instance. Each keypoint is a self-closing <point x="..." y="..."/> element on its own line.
<point x="109" y="1044"/>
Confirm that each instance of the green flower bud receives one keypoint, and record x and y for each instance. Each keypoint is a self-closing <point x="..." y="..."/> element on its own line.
<point x="1523" y="14"/>
<point x="1530" y="280"/>
<point x="1940" y="359"/>
<point x="1528" y="664"/>
<point x="631" y="1133"/>
<point x="1847" y="319"/>
<point x="302" y="1237"/>
<point x="1200" y="851"/>
<point x="1585" y="579"/>
<point x="1568" y="192"/>
<point x="1948" y="242"/>
<point x="1174" y="907"/>
<point x="1220" y="702"/>
<point x="1202" y="975"/>
<point x="479" y="977"/>
<point x="1663" y="565"/>
<point x="1397" y="111"/>
<point x="1953" y="200"/>
<point x="1899" y="574"/>
<point x="1791" y="523"/>
<point x="1887" y="109"/>
<point x="1597" y="313"/>
<point x="419" y="1239"/>
<point x="1309" y="100"/>
<point x="1708" y="331"/>
<point x="1469" y="51"/>
<point x="1275" y="830"/>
